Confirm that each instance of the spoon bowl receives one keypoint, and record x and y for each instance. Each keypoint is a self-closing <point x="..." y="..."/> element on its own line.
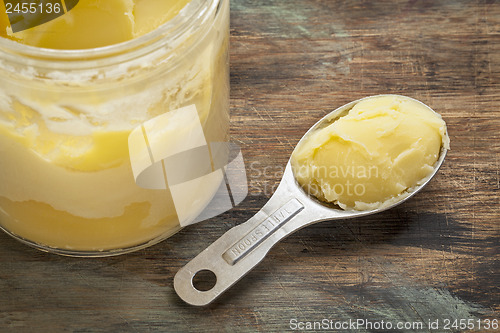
<point x="289" y="209"/>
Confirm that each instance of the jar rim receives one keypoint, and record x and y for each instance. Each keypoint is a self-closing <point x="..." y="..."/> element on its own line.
<point x="196" y="12"/>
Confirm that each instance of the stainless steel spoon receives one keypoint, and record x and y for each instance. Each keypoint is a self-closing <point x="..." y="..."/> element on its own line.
<point x="289" y="209"/>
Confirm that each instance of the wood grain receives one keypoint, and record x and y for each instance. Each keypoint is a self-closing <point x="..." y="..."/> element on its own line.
<point x="434" y="257"/>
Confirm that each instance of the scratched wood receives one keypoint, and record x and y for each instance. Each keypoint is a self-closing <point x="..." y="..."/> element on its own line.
<point x="434" y="257"/>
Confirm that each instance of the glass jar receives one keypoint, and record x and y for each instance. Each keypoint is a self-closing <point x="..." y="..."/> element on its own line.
<point x="68" y="183"/>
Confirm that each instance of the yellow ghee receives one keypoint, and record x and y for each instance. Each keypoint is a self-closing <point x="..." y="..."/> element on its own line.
<point x="96" y="23"/>
<point x="369" y="157"/>
<point x="66" y="183"/>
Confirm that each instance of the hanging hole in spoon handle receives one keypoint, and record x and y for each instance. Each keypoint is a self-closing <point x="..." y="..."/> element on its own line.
<point x="241" y="248"/>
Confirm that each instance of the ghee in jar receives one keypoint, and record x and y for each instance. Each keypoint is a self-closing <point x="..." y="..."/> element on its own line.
<point x="71" y="92"/>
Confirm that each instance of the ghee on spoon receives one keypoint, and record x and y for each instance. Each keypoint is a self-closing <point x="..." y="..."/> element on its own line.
<point x="291" y="208"/>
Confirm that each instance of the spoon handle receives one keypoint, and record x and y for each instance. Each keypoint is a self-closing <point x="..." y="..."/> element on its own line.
<point x="235" y="253"/>
<point x="241" y="248"/>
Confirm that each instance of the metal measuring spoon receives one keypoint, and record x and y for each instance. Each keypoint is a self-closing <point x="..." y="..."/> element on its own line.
<point x="289" y="209"/>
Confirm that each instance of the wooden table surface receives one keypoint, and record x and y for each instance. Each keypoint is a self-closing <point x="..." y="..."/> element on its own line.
<point x="435" y="257"/>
